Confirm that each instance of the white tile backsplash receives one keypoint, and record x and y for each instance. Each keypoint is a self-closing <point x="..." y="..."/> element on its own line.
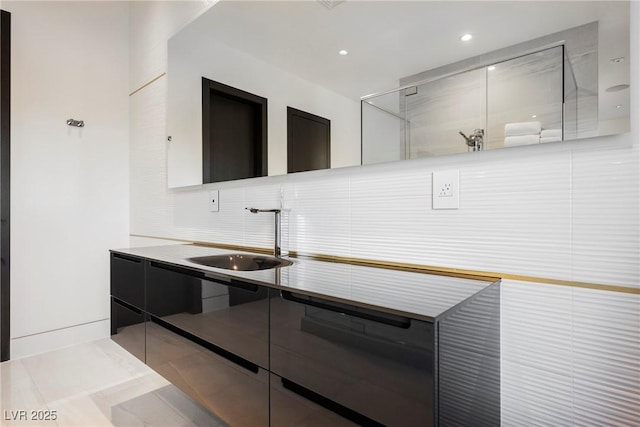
<point x="320" y="216"/>
<point x="536" y="321"/>
<point x="553" y="214"/>
<point x="606" y="348"/>
<point x="569" y="356"/>
<point x="606" y="211"/>
<point x="507" y="221"/>
<point x="535" y="397"/>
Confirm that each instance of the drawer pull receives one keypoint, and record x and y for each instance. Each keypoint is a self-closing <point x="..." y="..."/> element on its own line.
<point x="201" y="275"/>
<point x="126" y="258"/>
<point x="127" y="306"/>
<point x="329" y="404"/>
<point x="362" y="313"/>
<point x="206" y="344"/>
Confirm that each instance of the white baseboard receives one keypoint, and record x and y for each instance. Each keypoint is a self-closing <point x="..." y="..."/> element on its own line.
<point x="59" y="338"/>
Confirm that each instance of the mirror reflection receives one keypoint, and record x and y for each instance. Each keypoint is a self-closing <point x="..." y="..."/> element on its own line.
<point x="566" y="63"/>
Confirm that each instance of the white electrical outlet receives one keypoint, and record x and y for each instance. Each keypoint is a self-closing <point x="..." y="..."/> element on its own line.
<point x="214" y="203"/>
<point x="446" y="189"/>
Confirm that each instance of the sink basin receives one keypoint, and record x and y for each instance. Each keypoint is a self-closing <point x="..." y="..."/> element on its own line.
<point x="241" y="262"/>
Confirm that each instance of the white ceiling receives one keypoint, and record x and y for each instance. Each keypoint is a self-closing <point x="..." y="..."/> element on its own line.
<point x="388" y="40"/>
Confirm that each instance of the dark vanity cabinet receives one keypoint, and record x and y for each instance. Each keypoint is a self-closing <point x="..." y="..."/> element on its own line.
<point x="257" y="356"/>
<point x="127" y="304"/>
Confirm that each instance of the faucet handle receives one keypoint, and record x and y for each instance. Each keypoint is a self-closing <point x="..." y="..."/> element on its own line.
<point x="256" y="210"/>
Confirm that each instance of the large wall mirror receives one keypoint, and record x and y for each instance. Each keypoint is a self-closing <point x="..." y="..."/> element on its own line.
<point x="533" y="72"/>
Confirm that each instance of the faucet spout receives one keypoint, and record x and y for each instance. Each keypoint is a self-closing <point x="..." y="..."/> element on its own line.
<point x="277" y="250"/>
<point x="474" y="140"/>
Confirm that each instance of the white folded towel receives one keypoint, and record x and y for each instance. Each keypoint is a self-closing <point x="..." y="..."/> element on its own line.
<point x="514" y="141"/>
<point x="524" y="128"/>
<point x="551" y="139"/>
<point x="548" y="133"/>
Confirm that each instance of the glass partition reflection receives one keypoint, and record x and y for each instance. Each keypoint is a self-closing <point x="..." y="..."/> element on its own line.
<point x="524" y="100"/>
<point x="570" y="112"/>
<point x="441" y="109"/>
<point x="386" y="129"/>
<point x="528" y="99"/>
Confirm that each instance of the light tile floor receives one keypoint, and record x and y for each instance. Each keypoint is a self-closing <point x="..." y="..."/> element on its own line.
<point x="92" y="384"/>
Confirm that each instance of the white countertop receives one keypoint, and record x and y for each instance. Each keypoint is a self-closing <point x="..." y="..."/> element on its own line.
<point x="418" y="295"/>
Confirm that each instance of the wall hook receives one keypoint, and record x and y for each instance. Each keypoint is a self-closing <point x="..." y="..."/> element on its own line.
<point x="76" y="123"/>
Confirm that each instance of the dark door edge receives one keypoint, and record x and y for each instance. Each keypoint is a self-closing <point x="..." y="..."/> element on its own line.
<point x="5" y="182"/>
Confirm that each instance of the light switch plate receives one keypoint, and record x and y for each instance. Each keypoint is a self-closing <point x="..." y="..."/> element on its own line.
<point x="214" y="203"/>
<point x="446" y="189"/>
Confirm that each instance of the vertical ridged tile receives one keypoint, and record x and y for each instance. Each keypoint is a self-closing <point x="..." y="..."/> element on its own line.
<point x="606" y="362"/>
<point x="193" y="219"/>
<point x="469" y="362"/>
<point x="536" y="325"/>
<point x="535" y="397"/>
<point x="536" y="356"/>
<point x="606" y="212"/>
<point x="516" y="213"/>
<point x="388" y="211"/>
<point x="513" y="216"/>
<point x="320" y="216"/>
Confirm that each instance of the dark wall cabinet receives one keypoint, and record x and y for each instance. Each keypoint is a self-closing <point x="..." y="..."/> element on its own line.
<point x="255" y="356"/>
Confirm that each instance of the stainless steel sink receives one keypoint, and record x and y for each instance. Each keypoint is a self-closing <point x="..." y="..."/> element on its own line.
<point x="241" y="262"/>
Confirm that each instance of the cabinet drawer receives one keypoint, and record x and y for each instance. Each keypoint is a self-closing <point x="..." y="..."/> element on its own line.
<point x="376" y="365"/>
<point x="290" y="407"/>
<point x="128" y="328"/>
<point x="231" y="315"/>
<point x="236" y="395"/>
<point x="127" y="279"/>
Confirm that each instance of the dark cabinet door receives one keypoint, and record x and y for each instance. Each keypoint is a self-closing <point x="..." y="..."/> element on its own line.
<point x="128" y="327"/>
<point x="231" y="315"/>
<point x="127" y="279"/>
<point x="237" y="395"/>
<point x="371" y="367"/>
<point x="308" y="141"/>
<point x="234" y="133"/>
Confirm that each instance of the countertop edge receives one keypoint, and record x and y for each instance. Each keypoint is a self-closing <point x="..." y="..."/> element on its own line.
<point x="389" y="310"/>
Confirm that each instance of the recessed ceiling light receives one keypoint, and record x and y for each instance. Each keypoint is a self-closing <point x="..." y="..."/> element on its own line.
<point x="618" y="106"/>
<point x="466" y="37"/>
<point x="534" y="116"/>
<point x="491" y="67"/>
<point x="343" y="52"/>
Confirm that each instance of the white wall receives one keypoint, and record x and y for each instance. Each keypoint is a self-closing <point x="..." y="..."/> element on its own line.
<point x="567" y="211"/>
<point x="69" y="189"/>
